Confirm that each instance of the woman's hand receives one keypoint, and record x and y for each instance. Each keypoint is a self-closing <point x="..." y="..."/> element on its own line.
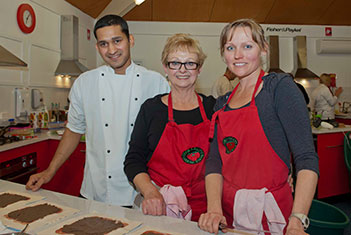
<point x="210" y="221"/>
<point x="153" y="203"/>
<point x="338" y="91"/>
<point x="295" y="227"/>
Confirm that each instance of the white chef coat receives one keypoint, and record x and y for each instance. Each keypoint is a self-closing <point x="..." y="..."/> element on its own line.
<point x="323" y="102"/>
<point x="222" y="85"/>
<point x="104" y="106"/>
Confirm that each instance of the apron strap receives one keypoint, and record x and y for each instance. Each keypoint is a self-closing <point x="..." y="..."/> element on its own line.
<point x="202" y="109"/>
<point x="170" y="108"/>
<point x="258" y="83"/>
<point x="212" y="126"/>
<point x="215" y="115"/>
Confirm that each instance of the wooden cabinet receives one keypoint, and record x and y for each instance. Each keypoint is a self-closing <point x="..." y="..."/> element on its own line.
<point x="68" y="179"/>
<point x="333" y="179"/>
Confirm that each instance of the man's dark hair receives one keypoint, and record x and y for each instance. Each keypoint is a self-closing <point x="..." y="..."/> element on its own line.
<point x="109" y="20"/>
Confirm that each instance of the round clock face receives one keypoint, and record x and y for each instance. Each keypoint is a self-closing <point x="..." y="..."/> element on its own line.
<point x="26" y="18"/>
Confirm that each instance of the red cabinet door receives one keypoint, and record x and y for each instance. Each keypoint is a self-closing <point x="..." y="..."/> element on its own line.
<point x="40" y="148"/>
<point x="69" y="177"/>
<point x="345" y="121"/>
<point x="333" y="175"/>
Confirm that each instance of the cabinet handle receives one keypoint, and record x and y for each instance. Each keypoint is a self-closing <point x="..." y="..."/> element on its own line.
<point x="335" y="146"/>
<point x="82" y="151"/>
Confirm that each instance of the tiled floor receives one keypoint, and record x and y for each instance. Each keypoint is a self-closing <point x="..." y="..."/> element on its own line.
<point x="343" y="203"/>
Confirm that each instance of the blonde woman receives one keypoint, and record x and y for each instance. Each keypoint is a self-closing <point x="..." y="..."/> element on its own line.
<point x="170" y="142"/>
<point x="257" y="127"/>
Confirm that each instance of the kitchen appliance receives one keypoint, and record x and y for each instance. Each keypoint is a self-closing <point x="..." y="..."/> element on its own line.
<point x="274" y="55"/>
<point x="19" y="103"/>
<point x="37" y="98"/>
<point x="69" y="64"/>
<point x="302" y="70"/>
<point x="19" y="169"/>
<point x="346" y="106"/>
<point x="6" y="138"/>
<point x="9" y="61"/>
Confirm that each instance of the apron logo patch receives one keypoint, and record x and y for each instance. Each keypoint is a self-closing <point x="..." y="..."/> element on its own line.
<point x="230" y="144"/>
<point x="193" y="155"/>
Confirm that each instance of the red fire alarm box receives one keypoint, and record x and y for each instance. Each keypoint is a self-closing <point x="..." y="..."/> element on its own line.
<point x="88" y="34"/>
<point x="328" y="31"/>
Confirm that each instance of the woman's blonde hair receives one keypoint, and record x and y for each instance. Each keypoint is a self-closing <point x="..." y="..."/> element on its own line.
<point x="182" y="41"/>
<point x="256" y="29"/>
<point x="324" y="78"/>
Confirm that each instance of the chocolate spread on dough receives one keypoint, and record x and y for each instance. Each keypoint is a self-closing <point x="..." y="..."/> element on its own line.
<point x="33" y="213"/>
<point x="9" y="198"/>
<point x="93" y="225"/>
<point x="152" y="232"/>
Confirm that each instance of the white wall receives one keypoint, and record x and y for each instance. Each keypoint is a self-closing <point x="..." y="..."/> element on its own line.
<point x="41" y="51"/>
<point x="150" y="38"/>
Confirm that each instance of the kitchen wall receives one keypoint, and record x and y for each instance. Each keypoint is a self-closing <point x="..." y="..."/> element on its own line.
<point x="41" y="51"/>
<point x="150" y="38"/>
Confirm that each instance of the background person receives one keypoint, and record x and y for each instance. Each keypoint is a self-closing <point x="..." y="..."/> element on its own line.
<point x="170" y="142"/>
<point x="224" y="84"/>
<point x="302" y="89"/>
<point x="324" y="101"/>
<point x="104" y="104"/>
<point x="256" y="127"/>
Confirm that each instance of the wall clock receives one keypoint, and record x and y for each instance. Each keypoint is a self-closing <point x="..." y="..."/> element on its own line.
<point x="26" y="18"/>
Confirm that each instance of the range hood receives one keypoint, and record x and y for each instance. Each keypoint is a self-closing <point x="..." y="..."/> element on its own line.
<point x="274" y="55"/>
<point x="10" y="61"/>
<point x="302" y="70"/>
<point x="69" y="64"/>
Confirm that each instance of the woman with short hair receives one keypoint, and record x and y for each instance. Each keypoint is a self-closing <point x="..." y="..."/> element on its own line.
<point x="169" y="143"/>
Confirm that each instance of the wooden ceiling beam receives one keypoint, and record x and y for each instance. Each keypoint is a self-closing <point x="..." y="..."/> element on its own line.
<point x="297" y="11"/>
<point x="302" y="12"/>
<point x="338" y="13"/>
<point x="230" y="10"/>
<point x="91" y="7"/>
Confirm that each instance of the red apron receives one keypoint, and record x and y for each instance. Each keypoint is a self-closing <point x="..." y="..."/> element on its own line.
<point x="249" y="161"/>
<point x="179" y="159"/>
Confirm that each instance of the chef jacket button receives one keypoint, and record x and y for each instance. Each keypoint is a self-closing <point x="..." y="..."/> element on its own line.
<point x="137" y="75"/>
<point x="106" y="125"/>
<point x="136" y="98"/>
<point x="132" y="124"/>
<point x="102" y="74"/>
<point x="103" y="99"/>
<point x="108" y="151"/>
<point x="109" y="177"/>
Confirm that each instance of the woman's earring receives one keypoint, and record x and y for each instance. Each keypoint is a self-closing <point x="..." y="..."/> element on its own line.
<point x="167" y="76"/>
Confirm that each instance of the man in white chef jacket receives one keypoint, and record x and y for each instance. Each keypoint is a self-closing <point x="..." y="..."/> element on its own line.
<point x="104" y="105"/>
